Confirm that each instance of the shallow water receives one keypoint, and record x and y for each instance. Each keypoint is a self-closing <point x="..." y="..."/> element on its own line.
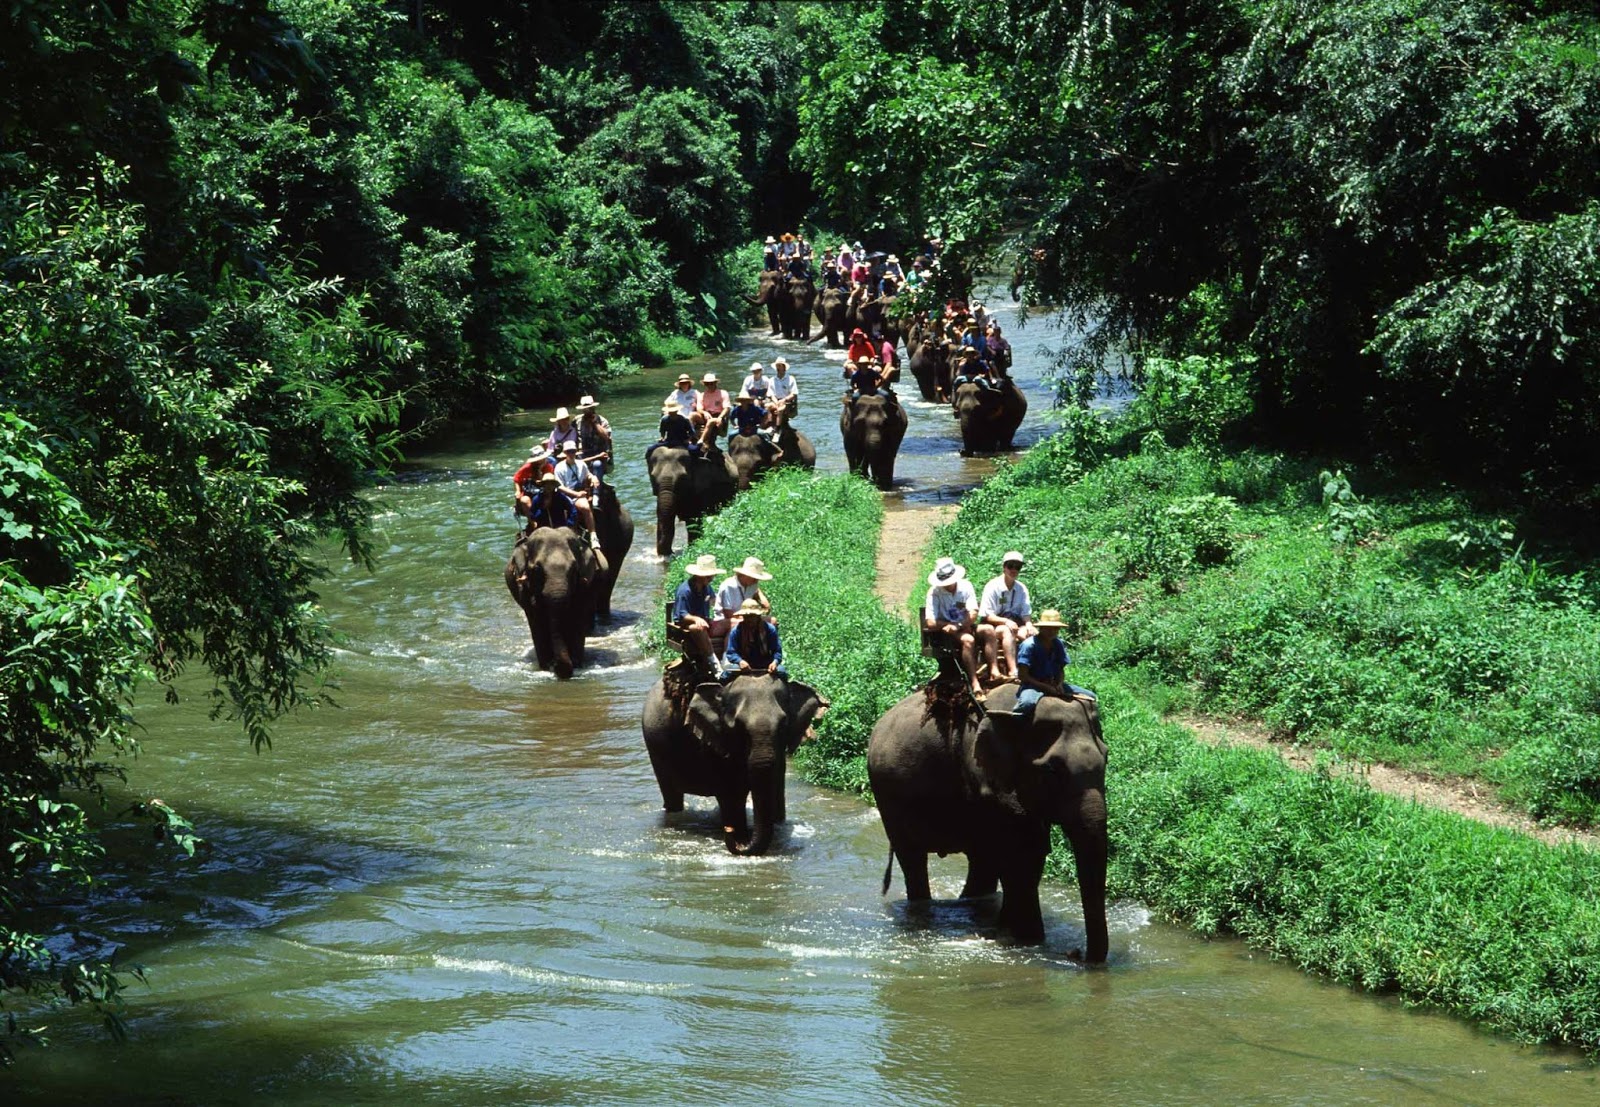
<point x="459" y="888"/>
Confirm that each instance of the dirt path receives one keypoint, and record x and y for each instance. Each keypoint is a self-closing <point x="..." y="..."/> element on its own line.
<point x="901" y="548"/>
<point x="904" y="543"/>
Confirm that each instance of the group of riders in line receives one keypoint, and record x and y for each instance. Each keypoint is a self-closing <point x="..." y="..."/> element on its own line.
<point x="849" y="267"/>
<point x="693" y="419"/>
<point x="563" y="480"/>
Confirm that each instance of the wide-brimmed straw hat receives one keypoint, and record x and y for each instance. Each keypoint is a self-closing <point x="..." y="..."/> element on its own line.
<point x="1049" y="617"/>
<point x="1012" y="555"/>
<point x="945" y="571"/>
<point x="780" y="364"/>
<point x="787" y="237"/>
<point x="587" y="404"/>
<point x="669" y="407"/>
<point x="561" y="413"/>
<point x="709" y="378"/>
<point x="754" y="567"/>
<point x="685" y="377"/>
<point x="549" y="478"/>
<point x="750" y="607"/>
<point x="703" y="566"/>
<point x="743" y="396"/>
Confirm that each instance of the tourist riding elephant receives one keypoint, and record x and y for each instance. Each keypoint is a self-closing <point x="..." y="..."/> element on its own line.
<point x="831" y="312"/>
<point x="614" y="525"/>
<point x="730" y="741"/>
<point x="552" y="575"/>
<point x="989" y="417"/>
<point x="687" y="487"/>
<point x="990" y="785"/>
<point x="751" y="455"/>
<point x="770" y="294"/>
<point x="872" y="428"/>
<point x="795" y="301"/>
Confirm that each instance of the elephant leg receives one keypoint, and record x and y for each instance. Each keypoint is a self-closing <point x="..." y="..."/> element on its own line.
<point x="780" y="806"/>
<point x="1089" y="852"/>
<point x="914" y="868"/>
<point x="666" y="780"/>
<point x="983" y="877"/>
<point x="732" y="813"/>
<point x="1019" y="907"/>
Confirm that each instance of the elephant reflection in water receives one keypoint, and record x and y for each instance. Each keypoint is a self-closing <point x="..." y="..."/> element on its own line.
<point x="990" y="785"/>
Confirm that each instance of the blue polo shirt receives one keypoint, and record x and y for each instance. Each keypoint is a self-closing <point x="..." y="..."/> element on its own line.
<point x="1044" y="663"/>
<point x="690" y="602"/>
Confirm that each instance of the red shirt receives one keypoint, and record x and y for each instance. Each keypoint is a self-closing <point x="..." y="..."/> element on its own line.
<point x="860" y="350"/>
<point x="527" y="476"/>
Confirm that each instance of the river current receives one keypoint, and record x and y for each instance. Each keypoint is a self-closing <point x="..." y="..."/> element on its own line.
<point x="458" y="886"/>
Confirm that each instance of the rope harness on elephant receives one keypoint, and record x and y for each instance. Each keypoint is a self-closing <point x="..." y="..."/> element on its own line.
<point x="948" y="697"/>
<point x="678" y="681"/>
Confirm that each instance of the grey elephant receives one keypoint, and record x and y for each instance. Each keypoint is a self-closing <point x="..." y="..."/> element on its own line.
<point x="751" y="455"/>
<point x="729" y="741"/>
<point x="552" y="574"/>
<point x="832" y="308"/>
<point x="613" y="523"/>
<point x="930" y="365"/>
<point x="989" y="416"/>
<point x="872" y="428"/>
<point x="687" y="487"/>
<point x="990" y="786"/>
<point x="769" y="294"/>
<point x="797" y="448"/>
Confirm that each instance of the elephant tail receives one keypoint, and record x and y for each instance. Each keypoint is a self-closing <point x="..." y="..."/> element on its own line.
<point x="888" y="873"/>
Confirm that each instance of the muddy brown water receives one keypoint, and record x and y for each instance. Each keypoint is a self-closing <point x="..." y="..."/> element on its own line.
<point x="459" y="888"/>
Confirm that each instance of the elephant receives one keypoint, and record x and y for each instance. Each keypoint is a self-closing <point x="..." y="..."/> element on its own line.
<point x="552" y="574"/>
<point x="930" y="364"/>
<point x="687" y="487"/>
<point x="797" y="448"/>
<point x="989" y="417"/>
<point x="873" y="427"/>
<point x="990" y="785"/>
<point x="831" y="311"/>
<point x="751" y="456"/>
<point x="729" y="741"/>
<point x="795" y="301"/>
<point x="614" y="525"/>
<point x="769" y="293"/>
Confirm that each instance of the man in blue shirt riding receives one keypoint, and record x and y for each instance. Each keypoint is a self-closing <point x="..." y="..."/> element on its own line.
<point x="1042" y="664"/>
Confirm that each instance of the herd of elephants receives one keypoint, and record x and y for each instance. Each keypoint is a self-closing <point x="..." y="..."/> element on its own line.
<point x="948" y="774"/>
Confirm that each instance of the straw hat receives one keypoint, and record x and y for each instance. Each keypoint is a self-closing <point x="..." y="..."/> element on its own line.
<point x="780" y="364"/>
<point x="709" y="378"/>
<point x="1049" y="617"/>
<point x="1012" y="555"/>
<point x="744" y="397"/>
<point x="787" y="237"/>
<point x="703" y="566"/>
<point x="587" y="404"/>
<point x="754" y="567"/>
<point x="946" y="572"/>
<point x="669" y="407"/>
<point x="685" y="378"/>
<point x="551" y="479"/>
<point x="750" y="608"/>
<point x="755" y="367"/>
<point x="561" y="413"/>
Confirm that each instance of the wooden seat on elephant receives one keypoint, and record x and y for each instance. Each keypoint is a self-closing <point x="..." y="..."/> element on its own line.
<point x="934" y="644"/>
<point x="675" y="634"/>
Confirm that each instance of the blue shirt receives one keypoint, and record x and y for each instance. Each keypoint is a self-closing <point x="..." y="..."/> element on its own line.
<point x="748" y="418"/>
<point x="759" y="646"/>
<point x="1046" y="664"/>
<point x="692" y="602"/>
<point x="561" y="513"/>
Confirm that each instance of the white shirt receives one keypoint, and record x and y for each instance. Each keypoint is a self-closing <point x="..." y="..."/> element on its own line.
<point x="759" y="388"/>
<point x="946" y="606"/>
<point x="573" y="474"/>
<point x="732" y="594"/>
<point x="1011" y="603"/>
<point x="781" y="388"/>
<point x="685" y="399"/>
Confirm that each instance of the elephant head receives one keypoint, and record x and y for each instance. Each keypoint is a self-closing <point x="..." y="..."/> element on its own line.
<point x="751" y="456"/>
<point x="798" y="298"/>
<point x="832" y="308"/>
<point x="552" y="576"/>
<point x="930" y="364"/>
<point x="1053" y="767"/>
<point x="769" y="292"/>
<point x="759" y="720"/>
<point x="872" y="429"/>
<point x="978" y="410"/>
<point x="686" y="488"/>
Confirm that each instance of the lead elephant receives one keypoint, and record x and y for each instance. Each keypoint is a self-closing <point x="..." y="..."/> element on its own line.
<point x="831" y="312"/>
<point x="687" y="487"/>
<point x="872" y="428"/>
<point x="729" y="742"/>
<point x="552" y="575"/>
<point x="990" y="785"/>
<point x="769" y="294"/>
<point x="614" y="525"/>
<point x="989" y="416"/>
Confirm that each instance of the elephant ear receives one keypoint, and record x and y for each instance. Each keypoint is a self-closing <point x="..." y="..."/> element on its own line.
<point x="805" y="705"/>
<point x="584" y="557"/>
<point x="994" y="756"/>
<point x="706" y="721"/>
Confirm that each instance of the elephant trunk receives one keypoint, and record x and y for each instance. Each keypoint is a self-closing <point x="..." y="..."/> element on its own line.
<point x="666" y="520"/>
<point x="557" y="611"/>
<point x="1087" y="833"/>
<point x="766" y="779"/>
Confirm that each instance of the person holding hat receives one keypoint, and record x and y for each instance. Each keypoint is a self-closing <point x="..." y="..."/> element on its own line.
<point x="743" y="585"/>
<point x="950" y="610"/>
<point x="710" y="411"/>
<point x="757" y="384"/>
<point x="1006" y="606"/>
<point x="1042" y="662"/>
<point x="551" y="507"/>
<point x="526" y="479"/>
<point x="753" y="645"/>
<point x="594" y="440"/>
<point x="565" y="430"/>
<point x="578" y="483"/>
<point x="691" y="610"/>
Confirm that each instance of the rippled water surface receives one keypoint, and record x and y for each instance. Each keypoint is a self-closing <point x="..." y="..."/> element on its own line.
<point x="459" y="888"/>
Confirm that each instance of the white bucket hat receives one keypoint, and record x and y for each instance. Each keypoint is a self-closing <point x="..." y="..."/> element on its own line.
<point x="709" y="378"/>
<point x="561" y="413"/>
<point x="945" y="571"/>
<point x="754" y="567"/>
<point x="538" y="453"/>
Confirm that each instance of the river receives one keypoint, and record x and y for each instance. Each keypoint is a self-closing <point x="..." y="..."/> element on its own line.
<point x="459" y="888"/>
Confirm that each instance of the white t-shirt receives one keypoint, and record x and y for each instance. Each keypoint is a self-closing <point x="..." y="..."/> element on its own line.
<point x="781" y="388"/>
<point x="731" y="595"/>
<point x="946" y="606"/>
<point x="573" y="474"/>
<point x="1011" y="603"/>
<point x="757" y="388"/>
<point x="684" y="398"/>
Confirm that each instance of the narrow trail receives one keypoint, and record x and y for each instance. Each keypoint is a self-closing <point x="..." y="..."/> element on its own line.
<point x="903" y="545"/>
